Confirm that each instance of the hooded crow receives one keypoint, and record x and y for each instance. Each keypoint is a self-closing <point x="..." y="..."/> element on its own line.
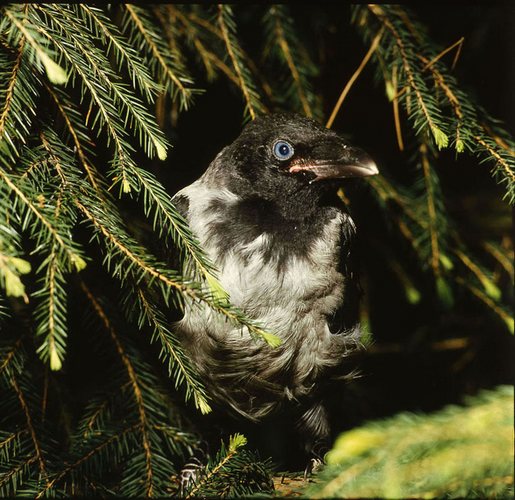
<point x="267" y="214"/>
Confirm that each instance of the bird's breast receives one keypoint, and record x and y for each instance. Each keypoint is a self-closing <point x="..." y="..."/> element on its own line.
<point x="291" y="290"/>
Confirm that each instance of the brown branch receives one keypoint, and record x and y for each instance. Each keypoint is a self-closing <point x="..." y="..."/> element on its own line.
<point x="281" y="40"/>
<point x="134" y="258"/>
<point x="205" y="24"/>
<point x="155" y="50"/>
<point x="508" y="320"/>
<point x="86" y="457"/>
<point x="235" y="63"/>
<point x="439" y="79"/>
<point x="44" y="397"/>
<point x="11" y="354"/>
<point x="459" y="43"/>
<point x="505" y="261"/>
<point x="481" y="276"/>
<point x="498" y="140"/>
<point x="30" y="426"/>
<point x="80" y="152"/>
<point x="395" y="103"/>
<point x="9" y="92"/>
<point x="12" y="472"/>
<point x="353" y="78"/>
<point x="379" y="13"/>
<point x="507" y="169"/>
<point x="135" y="384"/>
<point x="431" y="210"/>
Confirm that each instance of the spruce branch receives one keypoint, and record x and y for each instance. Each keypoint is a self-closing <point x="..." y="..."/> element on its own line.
<point x="56" y="74"/>
<point x="10" y="479"/>
<point x="452" y="452"/>
<point x="281" y="36"/>
<point x="223" y="458"/>
<point x="51" y="314"/>
<point x="30" y="426"/>
<point x="454" y="121"/>
<point x="99" y="447"/>
<point x="427" y="109"/>
<point x="136" y="114"/>
<point x="136" y="388"/>
<point x="208" y="57"/>
<point x="120" y="244"/>
<point x="482" y="276"/>
<point x="79" y="137"/>
<point x="179" y="368"/>
<point x="125" y="53"/>
<point x="141" y="29"/>
<point x="17" y="97"/>
<point x="167" y="221"/>
<point x="227" y="26"/>
<point x="504" y="258"/>
<point x="483" y="297"/>
<point x="12" y="360"/>
<point x="504" y="161"/>
<point x="353" y="78"/>
<point x="435" y="230"/>
<point x="9" y="91"/>
<point x="43" y="226"/>
<point x="107" y="113"/>
<point x="248" y="67"/>
<point x="178" y="364"/>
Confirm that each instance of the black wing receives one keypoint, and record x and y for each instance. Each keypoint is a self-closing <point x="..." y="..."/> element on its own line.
<point x="347" y="315"/>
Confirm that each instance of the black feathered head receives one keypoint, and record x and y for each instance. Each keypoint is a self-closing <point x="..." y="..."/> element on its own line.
<point x="293" y="148"/>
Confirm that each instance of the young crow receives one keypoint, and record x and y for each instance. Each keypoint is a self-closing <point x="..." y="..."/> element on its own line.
<point x="267" y="214"/>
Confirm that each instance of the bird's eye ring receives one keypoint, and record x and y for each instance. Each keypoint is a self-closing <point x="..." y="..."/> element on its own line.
<point x="283" y="150"/>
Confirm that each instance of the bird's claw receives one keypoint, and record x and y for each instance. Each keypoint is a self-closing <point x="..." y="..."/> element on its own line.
<point x="314" y="465"/>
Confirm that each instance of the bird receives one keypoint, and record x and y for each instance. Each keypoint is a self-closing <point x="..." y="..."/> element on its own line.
<point x="266" y="213"/>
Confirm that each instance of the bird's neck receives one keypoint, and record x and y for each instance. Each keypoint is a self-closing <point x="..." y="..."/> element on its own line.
<point x="294" y="202"/>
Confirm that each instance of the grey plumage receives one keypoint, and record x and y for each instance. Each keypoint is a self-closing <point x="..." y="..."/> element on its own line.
<point x="282" y="244"/>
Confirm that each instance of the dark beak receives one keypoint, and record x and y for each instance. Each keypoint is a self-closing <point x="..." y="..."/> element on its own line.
<point x="352" y="162"/>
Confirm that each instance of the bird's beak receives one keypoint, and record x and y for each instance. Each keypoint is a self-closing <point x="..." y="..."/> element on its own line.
<point x="354" y="162"/>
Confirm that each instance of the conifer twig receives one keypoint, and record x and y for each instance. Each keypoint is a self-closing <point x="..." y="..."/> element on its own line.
<point x="85" y="458"/>
<point x="353" y="78"/>
<point x="440" y="138"/>
<point x="89" y="169"/>
<point x="431" y="211"/>
<point x="133" y="377"/>
<point x="155" y="50"/>
<point x="279" y="31"/>
<point x="30" y="426"/>
<point x="395" y="103"/>
<point x="224" y="10"/>
<point x="10" y="87"/>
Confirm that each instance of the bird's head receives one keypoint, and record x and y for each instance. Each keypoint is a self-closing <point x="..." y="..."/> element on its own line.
<point x="291" y="150"/>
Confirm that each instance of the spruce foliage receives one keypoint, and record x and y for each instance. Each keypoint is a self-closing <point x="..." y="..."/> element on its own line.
<point x="456" y="452"/>
<point x="86" y="298"/>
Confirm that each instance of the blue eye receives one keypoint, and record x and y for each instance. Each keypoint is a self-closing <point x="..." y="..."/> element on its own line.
<point x="283" y="150"/>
